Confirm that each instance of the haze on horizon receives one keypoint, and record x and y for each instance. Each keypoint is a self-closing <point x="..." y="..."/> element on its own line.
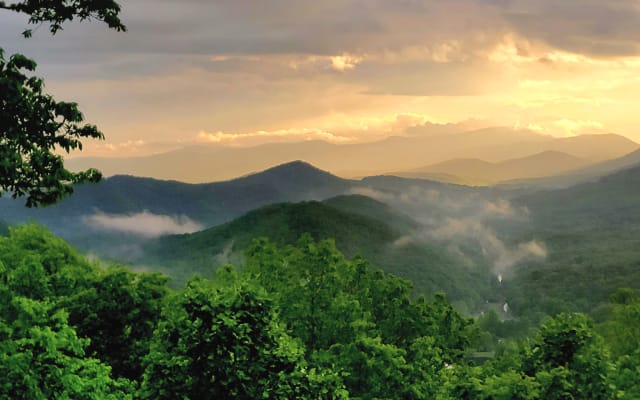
<point x="343" y="71"/>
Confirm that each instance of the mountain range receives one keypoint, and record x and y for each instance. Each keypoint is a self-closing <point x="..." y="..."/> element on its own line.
<point x="581" y="175"/>
<point x="210" y="203"/>
<point x="358" y="224"/>
<point x="480" y="172"/>
<point x="215" y="162"/>
<point x="441" y="236"/>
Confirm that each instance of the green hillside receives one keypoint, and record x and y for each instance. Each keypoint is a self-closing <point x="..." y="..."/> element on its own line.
<point x="359" y="225"/>
<point x="592" y="234"/>
<point x="610" y="202"/>
<point x="368" y="207"/>
<point x="211" y="204"/>
<point x="283" y="223"/>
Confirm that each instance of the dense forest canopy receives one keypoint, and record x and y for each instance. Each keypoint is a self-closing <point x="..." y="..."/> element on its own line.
<point x="297" y="321"/>
<point x="297" y="317"/>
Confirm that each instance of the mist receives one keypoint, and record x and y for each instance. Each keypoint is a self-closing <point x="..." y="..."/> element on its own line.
<point x="466" y="223"/>
<point x="144" y="224"/>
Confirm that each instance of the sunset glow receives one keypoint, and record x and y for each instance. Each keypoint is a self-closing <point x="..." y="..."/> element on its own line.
<point x="245" y="73"/>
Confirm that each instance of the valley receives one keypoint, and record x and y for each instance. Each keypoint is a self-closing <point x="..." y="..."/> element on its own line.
<point x="334" y="200"/>
<point x="498" y="262"/>
<point x="555" y="250"/>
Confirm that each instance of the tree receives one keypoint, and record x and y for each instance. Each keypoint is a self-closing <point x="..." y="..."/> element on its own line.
<point x="308" y="283"/>
<point x="224" y="341"/>
<point x="361" y="323"/>
<point x="621" y="331"/>
<point x="569" y="359"/>
<point x="33" y="126"/>
<point x="57" y="12"/>
<point x="118" y="313"/>
<point x="38" y="265"/>
<point x="42" y="358"/>
<point x="371" y="369"/>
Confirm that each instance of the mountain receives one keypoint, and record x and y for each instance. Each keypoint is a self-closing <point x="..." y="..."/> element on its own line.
<point x="206" y="163"/>
<point x="612" y="201"/>
<point x="368" y="207"/>
<point x="282" y="222"/>
<point x="481" y="172"/>
<point x="358" y="224"/>
<point x="113" y="217"/>
<point x="210" y="203"/>
<point x="120" y="218"/>
<point x="586" y="174"/>
<point x="596" y="147"/>
<point x="616" y="164"/>
<point x="122" y="200"/>
<point x="592" y="235"/>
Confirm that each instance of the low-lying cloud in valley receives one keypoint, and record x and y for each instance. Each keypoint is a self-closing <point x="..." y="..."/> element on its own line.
<point x="501" y="255"/>
<point x="144" y="224"/>
<point x="463" y="221"/>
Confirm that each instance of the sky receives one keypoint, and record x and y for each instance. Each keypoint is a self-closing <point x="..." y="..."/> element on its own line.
<point x="247" y="72"/>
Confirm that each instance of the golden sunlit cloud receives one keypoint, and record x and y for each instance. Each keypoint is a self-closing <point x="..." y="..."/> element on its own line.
<point x="260" y="137"/>
<point x="371" y="125"/>
<point x="337" y="128"/>
<point x="573" y="128"/>
<point x="345" y="71"/>
<point x="344" y="62"/>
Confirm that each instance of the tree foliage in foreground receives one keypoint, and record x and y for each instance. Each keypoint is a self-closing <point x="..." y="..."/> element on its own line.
<point x="41" y="354"/>
<point x="225" y="341"/>
<point x="361" y="323"/>
<point x="34" y="128"/>
<point x="57" y="12"/>
<point x="295" y="322"/>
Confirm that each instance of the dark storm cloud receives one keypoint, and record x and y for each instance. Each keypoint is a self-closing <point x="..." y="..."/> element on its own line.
<point x="330" y="26"/>
<point x="591" y="27"/>
<point x="162" y="32"/>
<point x="403" y="47"/>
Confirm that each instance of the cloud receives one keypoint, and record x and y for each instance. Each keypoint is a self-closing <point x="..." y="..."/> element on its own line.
<point x="345" y="62"/>
<point x="426" y="202"/>
<point x="504" y="208"/>
<point x="145" y="224"/>
<point x="247" y="66"/>
<point x="335" y="128"/>
<point x="573" y="128"/>
<point x="343" y="30"/>
<point x="253" y="138"/>
<point x="404" y="241"/>
<point x="592" y="27"/>
<point x="501" y="256"/>
<point x="460" y="221"/>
